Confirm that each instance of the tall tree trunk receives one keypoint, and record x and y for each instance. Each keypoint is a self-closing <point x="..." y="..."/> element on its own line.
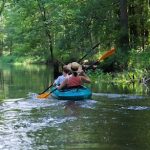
<point x="132" y="26"/>
<point x="10" y="47"/>
<point x="2" y="6"/>
<point x="1" y="47"/>
<point x="143" y="21"/>
<point x="46" y="27"/>
<point x="124" y="37"/>
<point x="1" y="10"/>
<point x="142" y="34"/>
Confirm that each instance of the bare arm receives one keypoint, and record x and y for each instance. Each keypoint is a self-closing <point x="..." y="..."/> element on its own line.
<point x="85" y="78"/>
<point x="62" y="85"/>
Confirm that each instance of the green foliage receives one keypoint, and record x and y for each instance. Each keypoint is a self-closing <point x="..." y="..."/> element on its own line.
<point x="21" y="59"/>
<point x="7" y="59"/>
<point x="139" y="60"/>
<point x="74" y="27"/>
<point x="138" y="70"/>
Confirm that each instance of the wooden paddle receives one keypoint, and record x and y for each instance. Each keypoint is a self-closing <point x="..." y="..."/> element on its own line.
<point x="107" y="54"/>
<point x="88" y="52"/>
<point x="46" y="95"/>
<point x="46" y="89"/>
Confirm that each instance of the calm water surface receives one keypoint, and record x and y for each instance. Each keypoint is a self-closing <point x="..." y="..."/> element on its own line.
<point x="114" y="119"/>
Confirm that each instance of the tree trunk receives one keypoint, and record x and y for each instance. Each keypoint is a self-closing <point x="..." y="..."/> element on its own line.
<point x="46" y="26"/>
<point x="133" y="27"/>
<point x="143" y="21"/>
<point x="142" y="35"/>
<point x="2" y="6"/>
<point x="1" y="47"/>
<point x="124" y="37"/>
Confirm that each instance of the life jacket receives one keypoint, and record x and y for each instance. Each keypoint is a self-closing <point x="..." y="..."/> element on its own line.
<point x="73" y="81"/>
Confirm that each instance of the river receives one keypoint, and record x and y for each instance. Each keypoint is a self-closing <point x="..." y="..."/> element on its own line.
<point x="114" y="119"/>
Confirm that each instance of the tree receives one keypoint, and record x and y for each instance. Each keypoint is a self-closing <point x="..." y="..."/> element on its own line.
<point x="139" y="23"/>
<point x="46" y="27"/>
<point x="124" y="36"/>
<point x="2" y="6"/>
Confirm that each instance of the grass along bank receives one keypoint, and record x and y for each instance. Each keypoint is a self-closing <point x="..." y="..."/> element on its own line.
<point x="135" y="78"/>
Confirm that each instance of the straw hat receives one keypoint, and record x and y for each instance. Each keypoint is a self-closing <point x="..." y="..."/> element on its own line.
<point x="74" y="67"/>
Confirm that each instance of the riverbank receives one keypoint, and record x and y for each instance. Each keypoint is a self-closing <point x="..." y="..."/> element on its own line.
<point x="138" y="70"/>
<point x="39" y="76"/>
<point x="22" y="59"/>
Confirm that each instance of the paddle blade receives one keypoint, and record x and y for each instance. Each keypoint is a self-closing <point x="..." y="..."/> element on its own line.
<point x="44" y="95"/>
<point x="107" y="54"/>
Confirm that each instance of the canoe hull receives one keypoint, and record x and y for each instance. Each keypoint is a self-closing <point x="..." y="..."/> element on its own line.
<point x="72" y="94"/>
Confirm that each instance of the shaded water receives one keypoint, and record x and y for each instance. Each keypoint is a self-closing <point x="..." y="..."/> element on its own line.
<point x="117" y="120"/>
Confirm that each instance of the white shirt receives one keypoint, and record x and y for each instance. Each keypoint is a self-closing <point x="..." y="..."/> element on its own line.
<point x="60" y="80"/>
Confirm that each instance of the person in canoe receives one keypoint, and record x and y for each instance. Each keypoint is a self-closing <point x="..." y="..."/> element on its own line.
<point x="61" y="78"/>
<point x="77" y="78"/>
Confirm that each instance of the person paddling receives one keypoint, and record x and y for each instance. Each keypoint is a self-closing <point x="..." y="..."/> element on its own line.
<point x="61" y="78"/>
<point x="77" y="78"/>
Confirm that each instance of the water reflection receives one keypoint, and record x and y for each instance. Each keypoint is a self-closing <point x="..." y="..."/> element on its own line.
<point x="18" y="81"/>
<point x="126" y="88"/>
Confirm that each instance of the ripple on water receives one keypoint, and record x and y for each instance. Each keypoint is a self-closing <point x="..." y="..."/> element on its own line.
<point x="22" y="116"/>
<point x="137" y="108"/>
<point x="90" y="104"/>
<point x="119" y="96"/>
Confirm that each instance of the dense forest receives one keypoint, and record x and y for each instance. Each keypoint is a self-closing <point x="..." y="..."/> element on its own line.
<point x="45" y="31"/>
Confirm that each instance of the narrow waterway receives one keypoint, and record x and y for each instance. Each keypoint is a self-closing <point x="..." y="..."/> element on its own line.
<point x="115" y="117"/>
